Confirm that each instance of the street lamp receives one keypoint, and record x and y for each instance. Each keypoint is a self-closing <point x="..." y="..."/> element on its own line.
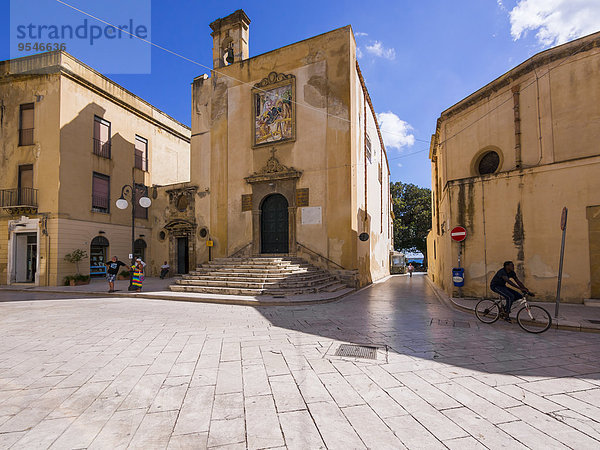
<point x="122" y="203"/>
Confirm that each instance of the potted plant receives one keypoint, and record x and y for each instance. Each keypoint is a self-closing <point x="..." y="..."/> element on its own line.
<point x="75" y="257"/>
<point x="124" y="275"/>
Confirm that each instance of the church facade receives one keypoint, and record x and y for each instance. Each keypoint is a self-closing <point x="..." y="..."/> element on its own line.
<point x="286" y="159"/>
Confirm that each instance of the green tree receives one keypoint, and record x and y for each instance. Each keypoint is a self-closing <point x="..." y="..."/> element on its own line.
<point x="75" y="257"/>
<point x="412" y="217"/>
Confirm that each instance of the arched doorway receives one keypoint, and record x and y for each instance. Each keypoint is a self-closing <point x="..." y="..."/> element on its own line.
<point x="274" y="229"/>
<point x="139" y="249"/>
<point x="98" y="255"/>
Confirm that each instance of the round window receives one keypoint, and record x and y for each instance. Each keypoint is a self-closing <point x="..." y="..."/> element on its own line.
<point x="182" y="203"/>
<point x="203" y="232"/>
<point x="162" y="235"/>
<point x="488" y="163"/>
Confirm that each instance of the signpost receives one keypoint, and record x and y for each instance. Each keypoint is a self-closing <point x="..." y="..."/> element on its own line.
<point x="563" y="227"/>
<point x="458" y="234"/>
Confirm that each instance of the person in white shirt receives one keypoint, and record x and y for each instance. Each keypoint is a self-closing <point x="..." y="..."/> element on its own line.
<point x="164" y="270"/>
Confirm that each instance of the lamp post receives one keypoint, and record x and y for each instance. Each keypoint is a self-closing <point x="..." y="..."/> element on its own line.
<point x="122" y="203"/>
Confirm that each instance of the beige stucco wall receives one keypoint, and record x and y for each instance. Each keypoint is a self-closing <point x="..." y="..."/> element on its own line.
<point x="515" y="213"/>
<point x="325" y="151"/>
<point x="66" y="100"/>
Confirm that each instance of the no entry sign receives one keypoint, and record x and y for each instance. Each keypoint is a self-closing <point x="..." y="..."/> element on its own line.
<point x="458" y="234"/>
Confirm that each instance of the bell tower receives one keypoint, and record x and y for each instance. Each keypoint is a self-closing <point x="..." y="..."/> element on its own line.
<point x="230" y="39"/>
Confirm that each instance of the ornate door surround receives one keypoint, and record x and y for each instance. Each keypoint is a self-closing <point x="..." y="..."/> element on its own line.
<point x="273" y="178"/>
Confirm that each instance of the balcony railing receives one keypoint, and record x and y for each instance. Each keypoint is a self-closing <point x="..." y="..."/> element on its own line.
<point x="26" y="136"/>
<point x="18" y="198"/>
<point x="100" y="203"/>
<point x="102" y="148"/>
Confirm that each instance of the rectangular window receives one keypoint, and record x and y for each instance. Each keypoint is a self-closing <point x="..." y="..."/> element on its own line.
<point x="100" y="193"/>
<point x="25" y="192"/>
<point x="101" y="137"/>
<point x="140" y="211"/>
<point x="368" y="147"/>
<point x="141" y="153"/>
<point x="26" y="124"/>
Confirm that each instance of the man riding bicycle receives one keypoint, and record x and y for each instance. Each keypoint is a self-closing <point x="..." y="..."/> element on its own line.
<point x="498" y="285"/>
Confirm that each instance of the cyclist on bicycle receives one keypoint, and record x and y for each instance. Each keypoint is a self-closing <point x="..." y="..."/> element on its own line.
<point x="498" y="285"/>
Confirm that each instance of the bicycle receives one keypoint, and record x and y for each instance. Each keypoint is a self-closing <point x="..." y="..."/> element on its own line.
<point x="531" y="318"/>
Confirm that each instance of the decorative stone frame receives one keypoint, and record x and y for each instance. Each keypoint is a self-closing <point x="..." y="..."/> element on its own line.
<point x="182" y="223"/>
<point x="272" y="81"/>
<point x="478" y="157"/>
<point x="179" y="228"/>
<point x="273" y="178"/>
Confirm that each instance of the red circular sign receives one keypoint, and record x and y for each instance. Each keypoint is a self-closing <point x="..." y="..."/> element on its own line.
<point x="458" y="234"/>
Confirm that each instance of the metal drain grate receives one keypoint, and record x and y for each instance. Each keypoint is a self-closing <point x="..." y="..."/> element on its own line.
<point x="597" y="322"/>
<point x="356" y="351"/>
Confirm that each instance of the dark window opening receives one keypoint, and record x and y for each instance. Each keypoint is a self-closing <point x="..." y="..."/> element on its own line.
<point x="100" y="193"/>
<point x="141" y="153"/>
<point x="101" y="137"/>
<point x="26" y="124"/>
<point x="488" y="163"/>
<point x="139" y="249"/>
<point x="368" y="147"/>
<point x="140" y="211"/>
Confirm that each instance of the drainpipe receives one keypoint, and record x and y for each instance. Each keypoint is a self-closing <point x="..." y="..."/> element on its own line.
<point x="517" y="113"/>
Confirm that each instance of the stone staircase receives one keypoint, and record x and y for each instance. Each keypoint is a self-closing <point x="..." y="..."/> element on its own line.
<point x="275" y="276"/>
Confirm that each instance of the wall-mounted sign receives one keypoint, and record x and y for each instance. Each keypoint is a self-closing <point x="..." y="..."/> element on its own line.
<point x="302" y="197"/>
<point x="209" y="243"/>
<point x="458" y="234"/>
<point x="311" y="215"/>
<point x="246" y="202"/>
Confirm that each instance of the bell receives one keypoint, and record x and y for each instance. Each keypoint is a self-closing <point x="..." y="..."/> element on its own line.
<point x="229" y="56"/>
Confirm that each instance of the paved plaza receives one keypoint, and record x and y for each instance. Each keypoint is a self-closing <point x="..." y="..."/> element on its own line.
<point x="131" y="372"/>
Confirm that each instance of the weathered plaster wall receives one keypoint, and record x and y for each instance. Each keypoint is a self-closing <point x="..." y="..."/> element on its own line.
<point x="66" y="96"/>
<point x="515" y="213"/>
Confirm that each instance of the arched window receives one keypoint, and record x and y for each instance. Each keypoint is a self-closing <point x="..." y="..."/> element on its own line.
<point x="98" y="255"/>
<point x="139" y="249"/>
<point x="488" y="162"/>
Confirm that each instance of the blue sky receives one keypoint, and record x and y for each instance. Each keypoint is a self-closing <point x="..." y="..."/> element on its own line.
<point x="418" y="58"/>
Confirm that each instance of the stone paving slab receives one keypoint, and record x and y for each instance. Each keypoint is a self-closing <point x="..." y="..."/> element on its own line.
<point x="131" y="372"/>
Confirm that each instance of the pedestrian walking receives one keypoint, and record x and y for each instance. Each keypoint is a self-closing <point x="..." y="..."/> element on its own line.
<point x="411" y="269"/>
<point x="112" y="269"/>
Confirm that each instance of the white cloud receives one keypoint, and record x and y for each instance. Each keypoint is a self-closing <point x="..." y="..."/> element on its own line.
<point x="555" y="21"/>
<point x="400" y="165"/>
<point x="360" y="34"/>
<point x="359" y="53"/>
<point x="395" y="131"/>
<point x="379" y="50"/>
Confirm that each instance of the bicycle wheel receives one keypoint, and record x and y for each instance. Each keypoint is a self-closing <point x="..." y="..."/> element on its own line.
<point x="487" y="311"/>
<point x="534" y="319"/>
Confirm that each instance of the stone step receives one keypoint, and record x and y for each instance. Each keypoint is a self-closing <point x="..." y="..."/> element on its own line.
<point x="591" y="302"/>
<point x="257" y="278"/>
<point x="264" y="262"/>
<point x="280" y="276"/>
<point x="283" y="284"/>
<point x="212" y="265"/>
<point x="226" y="270"/>
<point x="240" y="291"/>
